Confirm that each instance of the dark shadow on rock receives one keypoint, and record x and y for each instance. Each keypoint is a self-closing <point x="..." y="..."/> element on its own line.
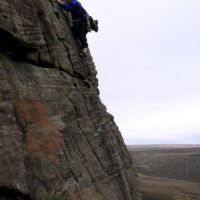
<point x="10" y="194"/>
<point x="13" y="46"/>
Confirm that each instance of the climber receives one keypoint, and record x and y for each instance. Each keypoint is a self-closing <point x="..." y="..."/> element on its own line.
<point x="82" y="22"/>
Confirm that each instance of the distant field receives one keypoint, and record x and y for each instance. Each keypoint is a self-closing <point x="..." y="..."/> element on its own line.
<point x="170" y="161"/>
<point x="163" y="146"/>
<point x="154" y="188"/>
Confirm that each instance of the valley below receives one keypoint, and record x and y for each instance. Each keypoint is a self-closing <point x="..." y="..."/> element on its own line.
<point x="157" y="188"/>
<point x="167" y="172"/>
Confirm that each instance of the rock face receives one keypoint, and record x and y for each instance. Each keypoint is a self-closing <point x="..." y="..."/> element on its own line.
<point x="56" y="137"/>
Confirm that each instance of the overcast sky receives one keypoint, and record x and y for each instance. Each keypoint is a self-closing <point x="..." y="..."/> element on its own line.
<point x="147" y="54"/>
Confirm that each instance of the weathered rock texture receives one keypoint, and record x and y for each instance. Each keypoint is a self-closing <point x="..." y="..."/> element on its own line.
<point x="55" y="134"/>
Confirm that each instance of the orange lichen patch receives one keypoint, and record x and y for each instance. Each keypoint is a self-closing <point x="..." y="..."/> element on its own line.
<point x="78" y="195"/>
<point x="84" y="193"/>
<point x="43" y="140"/>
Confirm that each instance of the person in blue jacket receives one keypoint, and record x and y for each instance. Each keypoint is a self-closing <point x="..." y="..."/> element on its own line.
<point x="82" y="22"/>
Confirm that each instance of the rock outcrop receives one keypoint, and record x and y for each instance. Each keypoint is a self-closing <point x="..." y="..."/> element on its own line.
<point x="56" y="137"/>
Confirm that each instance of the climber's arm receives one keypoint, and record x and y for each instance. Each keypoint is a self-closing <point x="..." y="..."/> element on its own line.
<point x="68" y="7"/>
<point x="60" y="2"/>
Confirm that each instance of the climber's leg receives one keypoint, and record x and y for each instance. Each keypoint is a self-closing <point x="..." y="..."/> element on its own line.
<point x="80" y="31"/>
<point x="82" y="36"/>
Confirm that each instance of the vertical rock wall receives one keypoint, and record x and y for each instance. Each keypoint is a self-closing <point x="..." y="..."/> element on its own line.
<point x="56" y="137"/>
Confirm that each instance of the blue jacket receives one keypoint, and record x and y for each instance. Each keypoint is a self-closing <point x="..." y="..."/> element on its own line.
<point x="76" y="9"/>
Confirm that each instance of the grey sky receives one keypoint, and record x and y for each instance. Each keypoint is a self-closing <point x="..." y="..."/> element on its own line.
<point x="147" y="55"/>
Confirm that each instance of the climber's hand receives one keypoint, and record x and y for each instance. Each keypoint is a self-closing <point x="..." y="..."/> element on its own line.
<point x="60" y="2"/>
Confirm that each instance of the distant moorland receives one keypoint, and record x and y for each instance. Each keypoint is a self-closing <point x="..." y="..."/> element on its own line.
<point x="168" y="161"/>
<point x="155" y="188"/>
<point x="167" y="172"/>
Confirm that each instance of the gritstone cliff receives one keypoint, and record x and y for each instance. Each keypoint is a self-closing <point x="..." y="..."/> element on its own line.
<point x="56" y="137"/>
